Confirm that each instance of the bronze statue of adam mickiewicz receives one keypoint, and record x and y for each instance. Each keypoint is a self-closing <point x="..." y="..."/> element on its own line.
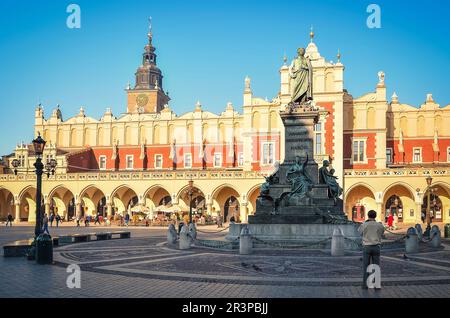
<point x="300" y="72"/>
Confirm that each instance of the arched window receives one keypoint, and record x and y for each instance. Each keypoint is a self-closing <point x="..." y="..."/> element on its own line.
<point x="404" y="125"/>
<point x="221" y="132"/>
<point x="73" y="138"/>
<point x="101" y="136"/>
<point x="115" y="135"/>
<point x="60" y="138"/>
<point x="156" y="135"/>
<point x="128" y="135"/>
<point x="421" y="126"/>
<point x="256" y="121"/>
<point x="273" y="120"/>
<point x="371" y="118"/>
<point x="205" y="131"/>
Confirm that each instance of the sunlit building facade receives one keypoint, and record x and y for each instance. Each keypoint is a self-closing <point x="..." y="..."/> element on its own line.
<point x="382" y="151"/>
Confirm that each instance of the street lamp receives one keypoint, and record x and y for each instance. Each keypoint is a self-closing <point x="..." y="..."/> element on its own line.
<point x="190" y="194"/>
<point x="15" y="163"/>
<point x="39" y="145"/>
<point x="428" y="190"/>
<point x="43" y="244"/>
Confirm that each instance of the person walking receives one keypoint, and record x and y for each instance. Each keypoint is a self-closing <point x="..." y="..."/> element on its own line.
<point x="52" y="218"/>
<point x="219" y="220"/>
<point x="97" y="219"/>
<point x="9" y="220"/>
<point x="58" y="219"/>
<point x="127" y="219"/>
<point x="372" y="232"/>
<point x="390" y="221"/>
<point x="45" y="223"/>
<point x="78" y="219"/>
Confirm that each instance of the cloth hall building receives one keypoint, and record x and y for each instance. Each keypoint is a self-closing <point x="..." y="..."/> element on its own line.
<point x="382" y="151"/>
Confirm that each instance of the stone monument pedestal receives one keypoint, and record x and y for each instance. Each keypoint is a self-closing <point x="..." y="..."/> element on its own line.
<point x="293" y="206"/>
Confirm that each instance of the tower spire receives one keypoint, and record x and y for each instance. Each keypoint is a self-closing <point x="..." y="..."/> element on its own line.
<point x="150" y="30"/>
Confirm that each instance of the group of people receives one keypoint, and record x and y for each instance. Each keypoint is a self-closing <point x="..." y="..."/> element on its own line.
<point x="100" y="219"/>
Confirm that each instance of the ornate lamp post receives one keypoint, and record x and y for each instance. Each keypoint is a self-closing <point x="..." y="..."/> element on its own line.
<point x="39" y="145"/>
<point x="15" y="163"/>
<point x="42" y="244"/>
<point x="428" y="190"/>
<point x="190" y="194"/>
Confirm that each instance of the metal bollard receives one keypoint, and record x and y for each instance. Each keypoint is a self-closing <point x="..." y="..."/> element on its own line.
<point x="435" y="235"/>
<point x="419" y="231"/>
<point x="172" y="236"/>
<point x="193" y="231"/>
<point x="185" y="239"/>
<point x="411" y="241"/>
<point x="337" y="243"/>
<point x="245" y="242"/>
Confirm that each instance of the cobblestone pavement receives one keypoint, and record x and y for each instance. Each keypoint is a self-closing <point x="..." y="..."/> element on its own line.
<point x="144" y="266"/>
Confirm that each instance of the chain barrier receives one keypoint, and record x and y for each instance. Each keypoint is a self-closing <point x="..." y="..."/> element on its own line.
<point x="356" y="243"/>
<point x="429" y="240"/>
<point x="279" y="245"/>
<point x="393" y="232"/>
<point x="224" y="229"/>
<point x="216" y="244"/>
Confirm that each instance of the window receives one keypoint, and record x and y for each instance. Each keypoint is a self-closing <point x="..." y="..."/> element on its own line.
<point x="48" y="158"/>
<point x="417" y="154"/>
<point x="318" y="139"/>
<point x="158" y="161"/>
<point x="359" y="151"/>
<point x="188" y="160"/>
<point x="217" y="160"/>
<point x="130" y="162"/>
<point x="102" y="162"/>
<point x="21" y="159"/>
<point x="388" y="155"/>
<point x="268" y="153"/>
<point x="240" y="159"/>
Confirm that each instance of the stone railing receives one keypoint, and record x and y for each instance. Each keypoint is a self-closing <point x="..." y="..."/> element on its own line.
<point x="139" y="175"/>
<point x="403" y="172"/>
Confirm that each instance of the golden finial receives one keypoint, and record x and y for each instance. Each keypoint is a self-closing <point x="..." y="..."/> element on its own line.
<point x="150" y="30"/>
<point x="339" y="55"/>
<point x="284" y="58"/>
<point x="311" y="34"/>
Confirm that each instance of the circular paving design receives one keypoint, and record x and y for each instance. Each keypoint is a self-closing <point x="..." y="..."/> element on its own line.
<point x="152" y="258"/>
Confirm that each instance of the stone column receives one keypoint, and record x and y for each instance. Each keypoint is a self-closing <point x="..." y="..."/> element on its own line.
<point x="109" y="210"/>
<point x="379" y="212"/>
<point x="17" y="219"/>
<point x="77" y="209"/>
<point x="209" y="208"/>
<point x="418" y="212"/>
<point x="244" y="213"/>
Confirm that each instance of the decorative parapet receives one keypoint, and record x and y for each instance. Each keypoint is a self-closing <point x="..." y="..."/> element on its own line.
<point x="397" y="172"/>
<point x="140" y="175"/>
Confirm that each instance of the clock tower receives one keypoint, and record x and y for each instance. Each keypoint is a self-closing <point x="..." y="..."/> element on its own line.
<point x="147" y="96"/>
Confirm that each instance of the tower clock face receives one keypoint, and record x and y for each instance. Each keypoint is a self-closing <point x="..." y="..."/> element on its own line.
<point x="141" y="100"/>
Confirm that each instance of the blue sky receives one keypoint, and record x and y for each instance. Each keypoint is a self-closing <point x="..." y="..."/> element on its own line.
<point x="205" y="49"/>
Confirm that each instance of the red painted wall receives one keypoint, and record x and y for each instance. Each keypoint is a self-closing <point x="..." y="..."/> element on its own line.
<point x="82" y="161"/>
<point x="148" y="162"/>
<point x="428" y="154"/>
<point x="257" y="141"/>
<point x="370" y="151"/>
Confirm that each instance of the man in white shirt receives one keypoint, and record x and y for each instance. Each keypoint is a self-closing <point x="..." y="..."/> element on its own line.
<point x="372" y="232"/>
